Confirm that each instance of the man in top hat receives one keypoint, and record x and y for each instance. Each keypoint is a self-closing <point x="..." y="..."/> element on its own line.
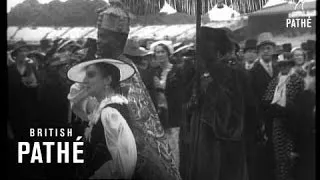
<point x="216" y="151"/>
<point x="250" y="53"/>
<point x="156" y="162"/>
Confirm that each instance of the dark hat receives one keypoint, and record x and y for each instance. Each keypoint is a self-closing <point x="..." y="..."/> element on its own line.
<point x="304" y="46"/>
<point x="220" y="36"/>
<point x="265" y="38"/>
<point x="90" y="42"/>
<point x="45" y="42"/>
<point x="250" y="44"/>
<point x="284" y="61"/>
<point x="214" y="34"/>
<point x="36" y="54"/>
<point x="311" y="45"/>
<point x="287" y="47"/>
<point x="18" y="46"/>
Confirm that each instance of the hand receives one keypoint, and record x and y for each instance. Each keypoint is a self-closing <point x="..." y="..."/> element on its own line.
<point x="29" y="81"/>
<point x="156" y="82"/>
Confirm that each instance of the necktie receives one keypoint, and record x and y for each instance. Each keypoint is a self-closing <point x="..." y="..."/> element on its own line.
<point x="269" y="69"/>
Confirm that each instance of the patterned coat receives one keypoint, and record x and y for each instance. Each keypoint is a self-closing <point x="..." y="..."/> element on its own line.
<point x="282" y="125"/>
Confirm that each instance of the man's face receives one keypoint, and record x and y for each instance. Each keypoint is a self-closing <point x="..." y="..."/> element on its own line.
<point x="110" y="44"/>
<point x="250" y="55"/>
<point x="266" y="52"/>
<point x="22" y="54"/>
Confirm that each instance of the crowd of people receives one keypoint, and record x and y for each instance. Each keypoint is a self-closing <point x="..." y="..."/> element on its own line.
<point x="146" y="110"/>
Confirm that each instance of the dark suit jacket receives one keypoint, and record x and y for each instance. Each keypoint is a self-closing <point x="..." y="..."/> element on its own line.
<point x="260" y="79"/>
<point x="22" y="101"/>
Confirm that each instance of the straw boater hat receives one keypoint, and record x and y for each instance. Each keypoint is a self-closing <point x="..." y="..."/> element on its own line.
<point x="133" y="48"/>
<point x="265" y="38"/>
<point x="167" y="43"/>
<point x="78" y="72"/>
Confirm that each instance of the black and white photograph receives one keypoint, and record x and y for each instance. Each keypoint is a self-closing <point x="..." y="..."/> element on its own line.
<point x="161" y="89"/>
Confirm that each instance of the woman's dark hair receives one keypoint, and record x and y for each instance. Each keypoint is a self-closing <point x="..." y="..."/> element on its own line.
<point x="110" y="70"/>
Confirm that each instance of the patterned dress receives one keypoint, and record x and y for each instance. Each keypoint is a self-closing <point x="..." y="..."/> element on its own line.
<point x="283" y="143"/>
<point x="155" y="161"/>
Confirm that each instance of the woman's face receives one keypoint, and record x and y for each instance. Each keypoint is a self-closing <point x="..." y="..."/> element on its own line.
<point x="94" y="81"/>
<point x="298" y="57"/>
<point x="161" y="54"/>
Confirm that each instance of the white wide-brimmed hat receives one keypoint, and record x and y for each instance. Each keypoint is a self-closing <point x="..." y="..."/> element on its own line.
<point x="78" y="72"/>
<point x="164" y="42"/>
<point x="188" y="46"/>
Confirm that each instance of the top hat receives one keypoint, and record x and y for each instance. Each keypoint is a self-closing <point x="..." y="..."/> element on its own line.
<point x="265" y="38"/>
<point x="250" y="44"/>
<point x="287" y="47"/>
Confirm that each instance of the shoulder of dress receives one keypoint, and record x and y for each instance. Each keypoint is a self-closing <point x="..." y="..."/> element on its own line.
<point x="110" y="113"/>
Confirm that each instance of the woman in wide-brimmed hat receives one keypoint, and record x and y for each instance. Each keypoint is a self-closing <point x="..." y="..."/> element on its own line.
<point x="114" y="153"/>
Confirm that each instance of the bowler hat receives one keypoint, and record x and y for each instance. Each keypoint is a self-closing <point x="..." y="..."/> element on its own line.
<point x="287" y="47"/>
<point x="250" y="44"/>
<point x="265" y="38"/>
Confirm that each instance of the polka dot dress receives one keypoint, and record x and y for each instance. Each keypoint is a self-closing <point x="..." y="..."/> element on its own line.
<point x="283" y="144"/>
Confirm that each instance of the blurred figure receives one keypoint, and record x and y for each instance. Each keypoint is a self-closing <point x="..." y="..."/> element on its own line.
<point x="278" y="102"/>
<point x="22" y="110"/>
<point x="216" y="145"/>
<point x="250" y="53"/>
<point x="305" y="122"/>
<point x="299" y="57"/>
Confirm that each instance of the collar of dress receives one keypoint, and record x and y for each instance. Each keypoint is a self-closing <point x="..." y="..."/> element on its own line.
<point x="115" y="99"/>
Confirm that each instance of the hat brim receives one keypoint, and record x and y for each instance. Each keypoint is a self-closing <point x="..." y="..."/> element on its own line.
<point x="14" y="51"/>
<point x="249" y="48"/>
<point x="266" y="43"/>
<point x="137" y="52"/>
<point x="78" y="72"/>
<point x="288" y="62"/>
<point x="183" y="48"/>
